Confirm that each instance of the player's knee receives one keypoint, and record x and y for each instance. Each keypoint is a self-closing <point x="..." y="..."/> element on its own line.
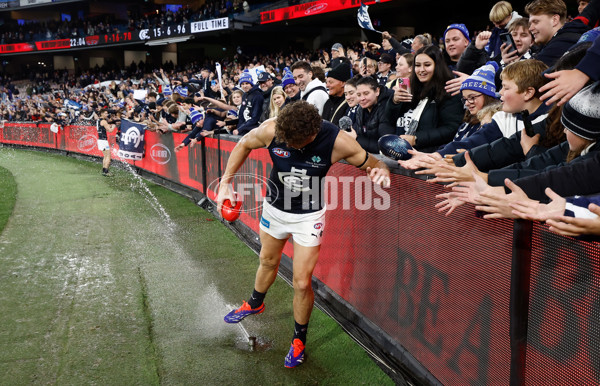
<point x="269" y="262"/>
<point x="302" y="284"/>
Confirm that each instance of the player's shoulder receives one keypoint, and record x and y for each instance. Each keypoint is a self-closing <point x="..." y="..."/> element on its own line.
<point x="267" y="128"/>
<point x="265" y="132"/>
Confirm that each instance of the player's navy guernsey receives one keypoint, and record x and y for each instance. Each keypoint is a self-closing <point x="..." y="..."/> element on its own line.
<point x="298" y="174"/>
<point x="101" y="130"/>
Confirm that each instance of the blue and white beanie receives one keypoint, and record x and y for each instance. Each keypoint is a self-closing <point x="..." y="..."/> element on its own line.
<point x="196" y="115"/>
<point x="167" y="91"/>
<point x="246" y="78"/>
<point x="181" y="91"/>
<point x="483" y="80"/>
<point x="288" y="78"/>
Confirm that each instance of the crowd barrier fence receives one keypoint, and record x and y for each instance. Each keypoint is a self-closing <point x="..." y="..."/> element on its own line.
<point x="434" y="299"/>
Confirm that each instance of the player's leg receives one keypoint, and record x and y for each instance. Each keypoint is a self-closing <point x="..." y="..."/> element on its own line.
<point x="305" y="259"/>
<point x="106" y="159"/>
<point x="270" y="256"/>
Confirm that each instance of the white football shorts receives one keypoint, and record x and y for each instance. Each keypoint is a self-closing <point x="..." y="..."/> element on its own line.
<point x="305" y="228"/>
<point x="103" y="145"/>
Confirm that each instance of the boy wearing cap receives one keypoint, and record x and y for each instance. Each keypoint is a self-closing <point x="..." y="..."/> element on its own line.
<point x="266" y="84"/>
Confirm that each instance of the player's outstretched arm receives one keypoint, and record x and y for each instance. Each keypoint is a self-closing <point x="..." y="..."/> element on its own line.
<point x="347" y="148"/>
<point x="254" y="139"/>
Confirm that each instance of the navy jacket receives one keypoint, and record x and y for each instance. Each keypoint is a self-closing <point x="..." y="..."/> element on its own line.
<point x="251" y="110"/>
<point x="569" y="180"/>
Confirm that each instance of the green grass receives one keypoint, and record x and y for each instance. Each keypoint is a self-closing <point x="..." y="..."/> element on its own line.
<point x="97" y="287"/>
<point x="8" y="196"/>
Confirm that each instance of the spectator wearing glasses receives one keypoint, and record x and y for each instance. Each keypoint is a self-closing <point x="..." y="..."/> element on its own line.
<point x="384" y="66"/>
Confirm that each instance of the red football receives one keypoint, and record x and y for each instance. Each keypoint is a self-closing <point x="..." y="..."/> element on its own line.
<point x="230" y="212"/>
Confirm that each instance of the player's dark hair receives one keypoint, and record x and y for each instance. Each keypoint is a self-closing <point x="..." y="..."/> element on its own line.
<point x="297" y="122"/>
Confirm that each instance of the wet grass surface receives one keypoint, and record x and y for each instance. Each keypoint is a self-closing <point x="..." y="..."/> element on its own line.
<point x="8" y="195"/>
<point x="98" y="285"/>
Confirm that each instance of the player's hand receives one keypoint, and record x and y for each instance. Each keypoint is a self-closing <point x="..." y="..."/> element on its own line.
<point x="379" y="176"/>
<point x="225" y="193"/>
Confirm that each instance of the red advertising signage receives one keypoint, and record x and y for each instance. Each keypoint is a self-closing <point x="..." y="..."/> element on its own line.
<point x="310" y="9"/>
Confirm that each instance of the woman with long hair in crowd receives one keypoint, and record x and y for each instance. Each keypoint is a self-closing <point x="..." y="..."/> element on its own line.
<point x="275" y="104"/>
<point x="404" y="67"/>
<point x="425" y="115"/>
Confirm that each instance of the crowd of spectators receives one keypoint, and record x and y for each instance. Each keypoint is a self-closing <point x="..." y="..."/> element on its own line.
<point x="32" y="30"/>
<point x="476" y="110"/>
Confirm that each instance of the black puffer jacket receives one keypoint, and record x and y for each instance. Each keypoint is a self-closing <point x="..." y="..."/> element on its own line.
<point x="372" y="126"/>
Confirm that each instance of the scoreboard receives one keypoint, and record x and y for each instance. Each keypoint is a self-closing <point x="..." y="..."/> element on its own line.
<point x="116" y="38"/>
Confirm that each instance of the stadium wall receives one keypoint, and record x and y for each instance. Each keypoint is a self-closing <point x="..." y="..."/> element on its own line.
<point x="433" y="299"/>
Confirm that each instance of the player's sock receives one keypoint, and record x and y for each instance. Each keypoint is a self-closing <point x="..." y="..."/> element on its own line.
<point x="256" y="299"/>
<point x="300" y="331"/>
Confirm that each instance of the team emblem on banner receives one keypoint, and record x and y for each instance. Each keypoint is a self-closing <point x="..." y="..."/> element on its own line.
<point x="131" y="145"/>
<point x="364" y="20"/>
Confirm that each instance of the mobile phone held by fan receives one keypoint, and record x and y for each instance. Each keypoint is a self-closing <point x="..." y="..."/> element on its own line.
<point x="404" y="83"/>
<point x="507" y="39"/>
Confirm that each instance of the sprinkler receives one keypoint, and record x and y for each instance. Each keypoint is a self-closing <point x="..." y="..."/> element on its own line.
<point x="252" y="343"/>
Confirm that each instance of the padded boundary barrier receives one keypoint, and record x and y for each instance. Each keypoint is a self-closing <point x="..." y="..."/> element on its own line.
<point x="474" y="301"/>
